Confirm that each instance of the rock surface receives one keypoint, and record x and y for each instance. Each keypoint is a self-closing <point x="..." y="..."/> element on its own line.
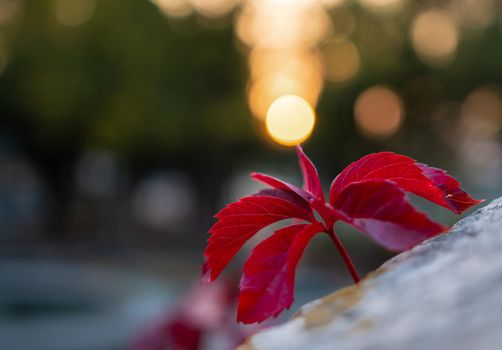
<point x="444" y="294"/>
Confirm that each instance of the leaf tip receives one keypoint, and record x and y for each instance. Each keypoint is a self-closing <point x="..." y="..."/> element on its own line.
<point x="256" y="176"/>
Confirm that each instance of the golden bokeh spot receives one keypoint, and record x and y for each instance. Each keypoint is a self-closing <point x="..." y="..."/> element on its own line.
<point x="174" y="8"/>
<point x="434" y="35"/>
<point x="214" y="8"/>
<point x="342" y="60"/>
<point x="378" y="112"/>
<point x="282" y="23"/>
<point x="481" y="113"/>
<point x="344" y="22"/>
<point x="290" y="120"/>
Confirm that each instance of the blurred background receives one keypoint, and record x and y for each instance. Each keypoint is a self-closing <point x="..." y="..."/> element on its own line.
<point x="126" y="125"/>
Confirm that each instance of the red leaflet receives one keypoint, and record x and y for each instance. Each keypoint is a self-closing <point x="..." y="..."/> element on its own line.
<point x="241" y="220"/>
<point x="380" y="209"/>
<point x="456" y="199"/>
<point x="431" y="183"/>
<point x="311" y="182"/>
<point x="268" y="280"/>
<point x="369" y="194"/>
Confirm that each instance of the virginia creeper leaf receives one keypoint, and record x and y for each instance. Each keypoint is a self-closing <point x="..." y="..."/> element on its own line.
<point x="369" y="194"/>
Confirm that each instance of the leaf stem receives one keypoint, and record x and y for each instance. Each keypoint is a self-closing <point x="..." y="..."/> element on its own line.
<point x="345" y="256"/>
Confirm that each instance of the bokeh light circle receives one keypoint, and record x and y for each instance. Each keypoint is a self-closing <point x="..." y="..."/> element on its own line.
<point x="378" y="112"/>
<point x="342" y="61"/>
<point x="290" y="120"/>
<point x="435" y="35"/>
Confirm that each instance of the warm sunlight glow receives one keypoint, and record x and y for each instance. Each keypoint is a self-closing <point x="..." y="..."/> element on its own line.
<point x="282" y="37"/>
<point x="378" y="112"/>
<point x="290" y="120"/>
<point x="265" y="91"/>
<point x="434" y="35"/>
<point x="275" y="73"/>
<point x="282" y="23"/>
<point x="292" y="46"/>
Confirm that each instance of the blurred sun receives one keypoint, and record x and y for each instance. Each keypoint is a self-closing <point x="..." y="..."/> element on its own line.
<point x="290" y="120"/>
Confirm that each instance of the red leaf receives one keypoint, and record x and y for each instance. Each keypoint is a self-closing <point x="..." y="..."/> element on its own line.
<point x="430" y="183"/>
<point x="380" y="209"/>
<point x="456" y="199"/>
<point x="267" y="284"/>
<point x="311" y="182"/>
<point x="369" y="194"/>
<point x="241" y="220"/>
